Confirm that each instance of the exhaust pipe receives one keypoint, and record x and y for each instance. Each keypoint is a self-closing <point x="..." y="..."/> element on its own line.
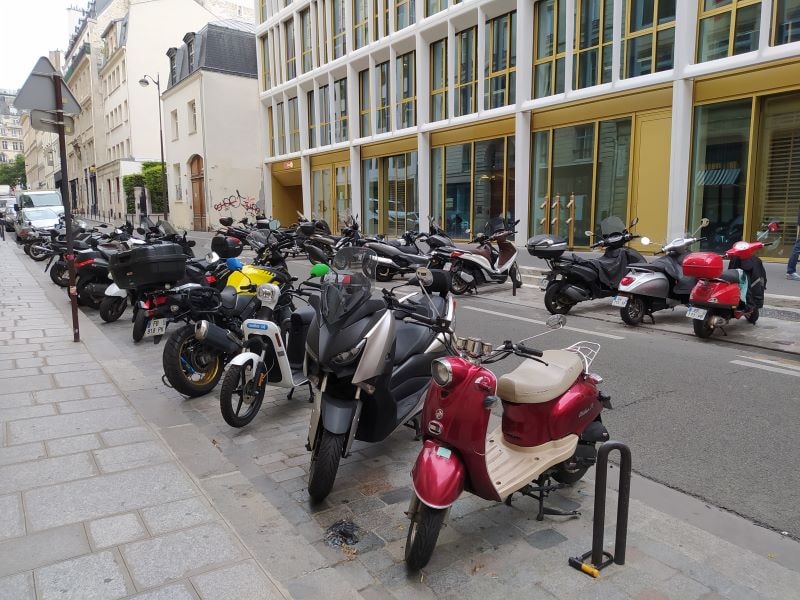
<point x="217" y="337"/>
<point x="718" y="321"/>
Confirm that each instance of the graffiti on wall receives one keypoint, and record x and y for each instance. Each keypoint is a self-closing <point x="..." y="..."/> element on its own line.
<point x="248" y="203"/>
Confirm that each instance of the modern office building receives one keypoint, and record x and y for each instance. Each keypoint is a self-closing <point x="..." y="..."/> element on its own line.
<point x="554" y="112"/>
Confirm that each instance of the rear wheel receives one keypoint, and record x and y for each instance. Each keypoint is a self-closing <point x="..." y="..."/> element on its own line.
<point x="384" y="273"/>
<point x="324" y="464"/>
<point x="38" y="252"/>
<point x="112" y="307"/>
<point x="192" y="367"/>
<point x="59" y="273"/>
<point x="139" y="325"/>
<point x="238" y="397"/>
<point x="555" y="301"/>
<point x="633" y="312"/>
<point x="752" y="317"/>
<point x="702" y="327"/>
<point x="458" y="285"/>
<point x="423" y="531"/>
<point x="567" y="475"/>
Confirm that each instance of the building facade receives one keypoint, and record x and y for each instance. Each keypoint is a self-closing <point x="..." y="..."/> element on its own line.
<point x="556" y="113"/>
<point x="11" y="142"/>
<point x="210" y="107"/>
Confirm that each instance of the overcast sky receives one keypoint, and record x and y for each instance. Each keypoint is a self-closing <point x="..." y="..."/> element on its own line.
<point x="31" y="28"/>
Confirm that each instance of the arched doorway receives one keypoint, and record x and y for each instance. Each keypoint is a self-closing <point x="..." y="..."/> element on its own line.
<point x="198" y="193"/>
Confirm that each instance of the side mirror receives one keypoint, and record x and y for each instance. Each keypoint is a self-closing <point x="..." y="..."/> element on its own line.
<point x="16" y="207"/>
<point x="316" y="255"/>
<point x="589" y="233"/>
<point x="556" y="321"/>
<point x="141" y="230"/>
<point x="212" y="257"/>
<point x="274" y="225"/>
<point x="424" y="276"/>
<point x="645" y="241"/>
<point x="704" y="222"/>
<point x="103" y="225"/>
<point x="634" y="222"/>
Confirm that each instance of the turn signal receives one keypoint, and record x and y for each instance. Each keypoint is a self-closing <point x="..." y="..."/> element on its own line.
<point x="626" y="280"/>
<point x="83" y="263"/>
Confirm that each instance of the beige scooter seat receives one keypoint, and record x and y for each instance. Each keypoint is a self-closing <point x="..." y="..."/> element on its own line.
<point x="532" y="382"/>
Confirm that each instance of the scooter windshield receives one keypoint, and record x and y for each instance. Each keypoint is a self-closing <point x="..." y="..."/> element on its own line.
<point x="349" y="285"/>
<point x="611" y="225"/>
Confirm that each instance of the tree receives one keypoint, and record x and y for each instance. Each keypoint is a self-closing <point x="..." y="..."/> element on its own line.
<point x="151" y="171"/>
<point x="13" y="173"/>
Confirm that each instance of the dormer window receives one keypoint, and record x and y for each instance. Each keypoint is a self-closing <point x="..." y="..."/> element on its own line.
<point x="173" y="66"/>
<point x="188" y="39"/>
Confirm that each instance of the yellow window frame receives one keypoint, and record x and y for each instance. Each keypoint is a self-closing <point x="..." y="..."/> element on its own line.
<point x="341" y="34"/>
<point x="363" y="104"/>
<point x="551" y="59"/>
<point x="361" y="25"/>
<point x="459" y="84"/>
<point x="305" y="25"/>
<point x="440" y="91"/>
<point x="601" y="46"/>
<point x="341" y="117"/>
<point x="398" y="4"/>
<point x="731" y="8"/>
<point x="653" y="31"/>
<point x="403" y="100"/>
<point x="291" y="64"/>
<point x="383" y="76"/>
<point x="507" y="72"/>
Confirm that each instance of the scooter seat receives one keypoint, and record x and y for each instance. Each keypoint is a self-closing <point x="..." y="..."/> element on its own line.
<point x="533" y="382"/>
<point x="731" y="276"/>
<point x="411" y="339"/>
<point x="653" y="267"/>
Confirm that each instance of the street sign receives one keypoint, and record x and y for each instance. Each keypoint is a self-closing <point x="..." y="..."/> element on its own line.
<point x="42" y="120"/>
<point x="38" y="92"/>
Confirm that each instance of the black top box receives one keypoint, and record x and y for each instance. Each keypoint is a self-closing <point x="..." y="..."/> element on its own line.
<point x="148" y="265"/>
<point x="546" y="246"/>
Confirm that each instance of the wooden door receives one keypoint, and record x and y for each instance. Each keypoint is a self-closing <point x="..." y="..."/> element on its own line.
<point x="198" y="193"/>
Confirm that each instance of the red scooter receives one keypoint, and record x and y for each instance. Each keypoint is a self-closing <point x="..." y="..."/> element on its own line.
<point x="550" y="425"/>
<point x="717" y="296"/>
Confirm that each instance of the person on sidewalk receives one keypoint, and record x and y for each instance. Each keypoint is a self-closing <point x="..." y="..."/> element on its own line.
<point x="791" y="266"/>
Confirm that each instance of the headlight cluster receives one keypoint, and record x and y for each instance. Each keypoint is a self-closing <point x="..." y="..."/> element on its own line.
<point x="348" y="356"/>
<point x="441" y="372"/>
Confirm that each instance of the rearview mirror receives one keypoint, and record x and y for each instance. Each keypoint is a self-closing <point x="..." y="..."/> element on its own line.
<point x="556" y="321"/>
<point x="424" y="276"/>
<point x="634" y="222"/>
<point x="212" y="257"/>
<point x="589" y="233"/>
<point x="645" y="241"/>
<point x="704" y="222"/>
<point x="316" y="255"/>
<point x="274" y="225"/>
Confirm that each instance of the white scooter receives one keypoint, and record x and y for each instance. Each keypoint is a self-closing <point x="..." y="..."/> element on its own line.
<point x="484" y="264"/>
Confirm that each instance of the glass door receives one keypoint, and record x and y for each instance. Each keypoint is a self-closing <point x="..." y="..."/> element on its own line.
<point x="321" y="205"/>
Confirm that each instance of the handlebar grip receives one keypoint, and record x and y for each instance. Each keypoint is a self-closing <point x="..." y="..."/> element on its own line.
<point x="313" y="284"/>
<point x="532" y="351"/>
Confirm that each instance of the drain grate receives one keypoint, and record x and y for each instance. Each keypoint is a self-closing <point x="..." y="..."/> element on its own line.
<point x="342" y="533"/>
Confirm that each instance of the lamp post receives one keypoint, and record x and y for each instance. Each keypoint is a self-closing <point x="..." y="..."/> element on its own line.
<point x="144" y="83"/>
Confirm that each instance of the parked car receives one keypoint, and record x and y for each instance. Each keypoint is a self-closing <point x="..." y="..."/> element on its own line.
<point x="28" y="218"/>
<point x="7" y="213"/>
<point x="31" y="199"/>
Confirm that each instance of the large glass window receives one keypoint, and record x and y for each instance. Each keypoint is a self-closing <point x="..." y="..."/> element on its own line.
<point x="262" y="11"/>
<point x="613" y="156"/>
<point x="787" y="22"/>
<point x="265" y="79"/>
<point x="404" y="13"/>
<point x="370" y="187"/>
<point x="339" y="41"/>
<point x="363" y="103"/>
<point x="291" y="65"/>
<point x="331" y="202"/>
<point x="550" y="47"/>
<point x="280" y="138"/>
<point x="728" y="27"/>
<point x="383" y="108"/>
<point x="312" y="132"/>
<point x="540" y="182"/>
<point x="307" y="58"/>
<point x="465" y="72"/>
<point x="324" y="116"/>
<point x="360" y="23"/>
<point x="434" y="6"/>
<point x="501" y="61"/>
<point x="593" y="37"/>
<point x="649" y="32"/>
<point x="439" y="80"/>
<point x="340" y="99"/>
<point x="390" y="200"/>
<point x="720" y="148"/>
<point x="406" y="91"/>
<point x="270" y="125"/>
<point x="294" y="126"/>
<point x="322" y="25"/>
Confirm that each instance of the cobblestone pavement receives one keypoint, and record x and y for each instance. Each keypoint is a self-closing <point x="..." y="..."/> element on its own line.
<point x="112" y="485"/>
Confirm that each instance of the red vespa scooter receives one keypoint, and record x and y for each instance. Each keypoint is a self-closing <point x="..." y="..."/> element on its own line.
<point x="550" y="425"/>
<point x="716" y="297"/>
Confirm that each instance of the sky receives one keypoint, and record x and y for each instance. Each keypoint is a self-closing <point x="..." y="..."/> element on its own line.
<point x="30" y="28"/>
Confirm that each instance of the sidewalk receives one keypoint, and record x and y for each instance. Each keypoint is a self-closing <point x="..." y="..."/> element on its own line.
<point x="115" y="485"/>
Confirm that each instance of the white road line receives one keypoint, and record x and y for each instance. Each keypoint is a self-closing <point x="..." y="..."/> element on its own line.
<point x="774" y="363"/>
<point x="535" y="322"/>
<point x="765" y="368"/>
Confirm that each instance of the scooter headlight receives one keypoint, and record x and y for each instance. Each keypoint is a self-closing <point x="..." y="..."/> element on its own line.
<point x="348" y="356"/>
<point x="441" y="372"/>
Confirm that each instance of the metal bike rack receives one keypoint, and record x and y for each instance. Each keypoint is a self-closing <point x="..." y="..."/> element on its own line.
<point x="600" y="559"/>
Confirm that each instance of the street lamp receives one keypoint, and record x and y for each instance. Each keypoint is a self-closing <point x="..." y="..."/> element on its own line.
<point x="144" y="83"/>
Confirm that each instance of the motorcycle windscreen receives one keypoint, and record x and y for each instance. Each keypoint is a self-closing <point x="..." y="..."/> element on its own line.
<point x="611" y="225"/>
<point x="350" y="284"/>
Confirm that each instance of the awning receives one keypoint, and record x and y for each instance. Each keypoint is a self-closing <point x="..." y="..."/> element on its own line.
<point x="717" y="177"/>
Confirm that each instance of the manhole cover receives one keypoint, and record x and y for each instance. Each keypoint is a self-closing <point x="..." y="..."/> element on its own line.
<point x="342" y="533"/>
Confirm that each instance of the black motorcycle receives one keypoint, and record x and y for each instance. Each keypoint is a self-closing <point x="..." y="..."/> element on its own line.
<point x="573" y="279"/>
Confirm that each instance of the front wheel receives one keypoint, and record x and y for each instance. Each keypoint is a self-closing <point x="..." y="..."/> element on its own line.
<point x="633" y="312"/>
<point x="112" y="307"/>
<point x="423" y="531"/>
<point x="239" y="391"/>
<point x="192" y="367"/>
<point x="59" y="273"/>
<point x="569" y="476"/>
<point x="324" y="464"/>
<point x="555" y="301"/>
<point x="458" y="285"/>
<point x="516" y="277"/>
<point x="702" y="327"/>
<point x="139" y="325"/>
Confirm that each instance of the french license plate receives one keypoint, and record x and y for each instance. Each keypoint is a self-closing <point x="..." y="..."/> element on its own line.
<point x="447" y="267"/>
<point x="543" y="283"/>
<point x="155" y="327"/>
<point x="620" y="301"/>
<point x="696" y="313"/>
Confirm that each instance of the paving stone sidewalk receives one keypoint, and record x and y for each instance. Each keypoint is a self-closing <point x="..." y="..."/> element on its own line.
<point x="231" y="518"/>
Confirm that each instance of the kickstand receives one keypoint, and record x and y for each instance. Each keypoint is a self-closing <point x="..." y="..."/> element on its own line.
<point x="722" y="329"/>
<point x="539" y="492"/>
<point x="652" y="318"/>
<point x="290" y="394"/>
<point x="310" y="392"/>
<point x="417" y="429"/>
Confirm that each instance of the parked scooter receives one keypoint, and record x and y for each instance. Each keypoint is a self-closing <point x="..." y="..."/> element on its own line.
<point x="719" y="295"/>
<point x="392" y="260"/>
<point x="551" y="423"/>
<point x="574" y="279"/>
<point x="661" y="284"/>
<point x="369" y="360"/>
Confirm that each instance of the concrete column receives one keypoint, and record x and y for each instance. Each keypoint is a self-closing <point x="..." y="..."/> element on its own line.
<point x="424" y="178"/>
<point x="570" y="35"/>
<point x="680" y="156"/>
<point x="393" y="95"/>
<point x="480" y="63"/>
<point x="373" y="93"/>
<point x="422" y="71"/>
<point x="451" y="70"/>
<point x="302" y="112"/>
<point x="353" y="112"/>
<point x="616" y="36"/>
<point x="766" y="25"/>
<point x="314" y="30"/>
<point x="524" y="52"/>
<point x="350" y="43"/>
<point x="305" y="177"/>
<point x="522" y="178"/>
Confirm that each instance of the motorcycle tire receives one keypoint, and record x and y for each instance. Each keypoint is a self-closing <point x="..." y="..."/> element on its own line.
<point x="59" y="273"/>
<point x="633" y="312"/>
<point x="26" y="248"/>
<point x="85" y="298"/>
<point x="324" y="464"/>
<point x="112" y="307"/>
<point x="457" y="285"/>
<point x="554" y="301"/>
<point x="752" y="317"/>
<point x="384" y="273"/>
<point x="191" y="367"/>
<point x="702" y="327"/>
<point x="516" y="278"/>
<point x="236" y="389"/>
<point x="139" y="325"/>
<point x="423" y="532"/>
<point x="569" y="476"/>
<point x="37" y="254"/>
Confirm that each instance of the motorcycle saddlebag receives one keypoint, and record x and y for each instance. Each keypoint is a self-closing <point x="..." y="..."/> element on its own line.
<point x="706" y="265"/>
<point x="226" y="246"/>
<point x="546" y="246"/>
<point x="148" y="265"/>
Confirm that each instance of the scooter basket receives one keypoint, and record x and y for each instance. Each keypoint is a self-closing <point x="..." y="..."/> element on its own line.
<point x="147" y="265"/>
<point x="203" y="299"/>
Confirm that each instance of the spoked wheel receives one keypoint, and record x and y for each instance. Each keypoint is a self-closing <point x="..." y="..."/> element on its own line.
<point x="702" y="327"/>
<point x="384" y="273"/>
<point x="139" y="325"/>
<point x="458" y="285"/>
<point x="633" y="312"/>
<point x="752" y="317"/>
<point x="191" y="367"/>
<point x="423" y="531"/>
<point x="112" y="307"/>
<point x="239" y="399"/>
<point x="555" y="301"/>
<point x="59" y="273"/>
<point x="324" y="464"/>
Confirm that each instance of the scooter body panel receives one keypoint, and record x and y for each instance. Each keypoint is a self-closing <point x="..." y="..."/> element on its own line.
<point x="270" y="333"/>
<point x="438" y="475"/>
<point x="715" y="294"/>
<point x="646" y="283"/>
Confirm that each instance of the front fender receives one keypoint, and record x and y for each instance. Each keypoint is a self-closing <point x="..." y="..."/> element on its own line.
<point x="337" y="415"/>
<point x="438" y="475"/>
<point x="243" y="358"/>
<point x="113" y="290"/>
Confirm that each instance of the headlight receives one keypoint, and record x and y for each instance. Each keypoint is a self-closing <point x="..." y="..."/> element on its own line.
<point x="348" y="356"/>
<point x="441" y="372"/>
<point x="268" y="293"/>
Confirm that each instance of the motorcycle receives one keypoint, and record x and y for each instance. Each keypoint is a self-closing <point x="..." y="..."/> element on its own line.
<point x="574" y="279"/>
<point x="392" y="260"/>
<point x="484" y="264"/>
<point x="550" y="425"/>
<point x="661" y="284"/>
<point x="719" y="295"/>
<point x="368" y="360"/>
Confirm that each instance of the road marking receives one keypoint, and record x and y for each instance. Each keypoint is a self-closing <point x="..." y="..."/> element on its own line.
<point x="535" y="322"/>
<point x="766" y="368"/>
<point x="774" y="363"/>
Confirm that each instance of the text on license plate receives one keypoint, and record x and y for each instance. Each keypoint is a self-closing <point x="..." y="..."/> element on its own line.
<point x="447" y="266"/>
<point x="696" y="313"/>
<point x="620" y="301"/>
<point x="543" y="283"/>
<point x="155" y="327"/>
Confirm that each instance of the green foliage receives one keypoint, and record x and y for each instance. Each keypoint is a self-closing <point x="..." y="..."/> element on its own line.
<point x="128" y="183"/>
<point x="13" y="173"/>
<point x="151" y="171"/>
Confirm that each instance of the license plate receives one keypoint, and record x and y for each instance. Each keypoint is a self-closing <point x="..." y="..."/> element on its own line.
<point x="696" y="313"/>
<point x="155" y="327"/>
<point x="543" y="283"/>
<point x="447" y="267"/>
<point x="620" y="301"/>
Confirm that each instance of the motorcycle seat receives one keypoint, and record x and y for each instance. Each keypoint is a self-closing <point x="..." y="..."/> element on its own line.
<point x="411" y="339"/>
<point x="654" y="267"/>
<point x="533" y="382"/>
<point x="731" y="276"/>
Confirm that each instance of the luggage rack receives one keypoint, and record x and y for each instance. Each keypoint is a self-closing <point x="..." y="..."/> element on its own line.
<point x="587" y="351"/>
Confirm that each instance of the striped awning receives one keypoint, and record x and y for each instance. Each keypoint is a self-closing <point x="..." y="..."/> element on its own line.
<point x="717" y="177"/>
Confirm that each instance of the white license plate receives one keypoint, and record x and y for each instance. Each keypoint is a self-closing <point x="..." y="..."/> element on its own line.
<point x="696" y="313"/>
<point x="620" y="301"/>
<point x="543" y="283"/>
<point x="447" y="267"/>
<point x="155" y="327"/>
